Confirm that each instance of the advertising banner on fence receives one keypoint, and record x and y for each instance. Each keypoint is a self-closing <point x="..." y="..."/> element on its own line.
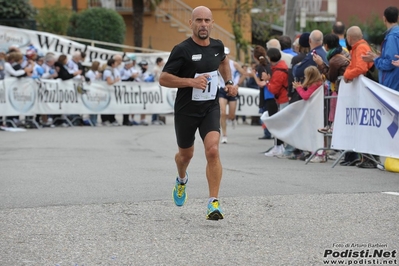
<point x="366" y="118"/>
<point x="46" y="42"/>
<point x="26" y="96"/>
<point x="297" y="123"/>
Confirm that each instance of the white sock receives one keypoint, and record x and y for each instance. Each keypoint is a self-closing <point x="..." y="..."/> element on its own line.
<point x="182" y="180"/>
<point x="212" y="199"/>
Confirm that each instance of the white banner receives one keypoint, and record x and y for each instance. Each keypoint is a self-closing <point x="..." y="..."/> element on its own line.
<point x="26" y="96"/>
<point x="366" y="118"/>
<point x="47" y="42"/>
<point x="297" y="123"/>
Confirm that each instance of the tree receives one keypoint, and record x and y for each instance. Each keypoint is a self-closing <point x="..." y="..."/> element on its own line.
<point x="100" y="24"/>
<point x="17" y="13"/>
<point x="138" y="13"/>
<point x="237" y="11"/>
<point x="54" y="18"/>
<point x="264" y="15"/>
<point x="373" y="28"/>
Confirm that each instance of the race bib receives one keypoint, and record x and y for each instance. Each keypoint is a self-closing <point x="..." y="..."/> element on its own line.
<point x="211" y="90"/>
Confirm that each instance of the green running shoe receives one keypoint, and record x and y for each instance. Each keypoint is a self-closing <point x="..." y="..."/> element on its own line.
<point x="214" y="211"/>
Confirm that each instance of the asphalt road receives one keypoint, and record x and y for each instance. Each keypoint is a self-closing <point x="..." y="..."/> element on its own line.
<point x="102" y="196"/>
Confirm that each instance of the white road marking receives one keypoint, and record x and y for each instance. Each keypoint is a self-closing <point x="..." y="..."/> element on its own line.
<point x="392" y="193"/>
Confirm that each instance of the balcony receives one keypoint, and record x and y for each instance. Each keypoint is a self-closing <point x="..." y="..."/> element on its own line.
<point x="122" y="6"/>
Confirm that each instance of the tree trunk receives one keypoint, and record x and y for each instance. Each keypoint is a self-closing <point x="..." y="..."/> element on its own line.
<point x="138" y="13"/>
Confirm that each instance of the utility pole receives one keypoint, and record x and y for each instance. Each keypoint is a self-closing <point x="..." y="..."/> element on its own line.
<point x="289" y="19"/>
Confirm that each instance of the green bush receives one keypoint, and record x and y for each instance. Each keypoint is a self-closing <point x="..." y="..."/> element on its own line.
<point x="99" y="24"/>
<point x="17" y="13"/>
<point x="54" y="18"/>
<point x="373" y="28"/>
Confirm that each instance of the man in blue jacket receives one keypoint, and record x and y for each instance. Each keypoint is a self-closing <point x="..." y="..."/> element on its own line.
<point x="316" y="46"/>
<point x="388" y="73"/>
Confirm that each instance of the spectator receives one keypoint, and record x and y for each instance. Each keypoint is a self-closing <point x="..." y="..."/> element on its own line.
<point x="38" y="69"/>
<point x="159" y="63"/>
<point x="314" y="41"/>
<point x="388" y="73"/>
<point x="49" y="72"/>
<point x="157" y="70"/>
<point x="359" y="47"/>
<point x="339" y="30"/>
<point x="303" y="50"/>
<point x="316" y="45"/>
<point x="277" y="84"/>
<point x="64" y="73"/>
<point x="242" y="82"/>
<point x="73" y="65"/>
<point x="251" y="82"/>
<point x="13" y="68"/>
<point x="111" y="75"/>
<point x="357" y="67"/>
<point x="313" y="81"/>
<point x="274" y="43"/>
<point x="92" y="75"/>
<point x="228" y="100"/>
<point x="118" y="59"/>
<point x="295" y="45"/>
<point x="144" y="76"/>
<point x="128" y="73"/>
<point x="265" y="96"/>
<point x="82" y="67"/>
<point x="338" y="61"/>
<point x="62" y="69"/>
<point x="286" y="45"/>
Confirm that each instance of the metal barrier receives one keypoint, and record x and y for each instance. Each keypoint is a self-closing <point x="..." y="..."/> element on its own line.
<point x="328" y="139"/>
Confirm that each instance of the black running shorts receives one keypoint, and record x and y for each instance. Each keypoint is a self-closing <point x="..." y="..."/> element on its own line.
<point x="223" y="94"/>
<point x="186" y="126"/>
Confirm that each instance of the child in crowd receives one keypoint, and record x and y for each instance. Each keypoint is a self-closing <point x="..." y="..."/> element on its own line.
<point x="313" y="81"/>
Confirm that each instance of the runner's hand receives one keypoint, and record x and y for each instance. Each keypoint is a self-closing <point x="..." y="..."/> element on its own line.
<point x="201" y="82"/>
<point x="231" y="90"/>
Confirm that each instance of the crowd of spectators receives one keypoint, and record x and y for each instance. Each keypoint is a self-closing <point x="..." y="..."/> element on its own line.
<point x="34" y="64"/>
<point x="325" y="60"/>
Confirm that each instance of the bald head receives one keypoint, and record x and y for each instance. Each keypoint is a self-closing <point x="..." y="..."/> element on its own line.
<point x="315" y="39"/>
<point x="118" y="59"/>
<point x="199" y="11"/>
<point x="273" y="43"/>
<point x="201" y="23"/>
<point x="354" y="34"/>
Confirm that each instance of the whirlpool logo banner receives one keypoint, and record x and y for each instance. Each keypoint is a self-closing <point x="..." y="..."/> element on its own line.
<point x="26" y="96"/>
<point x="366" y="118"/>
